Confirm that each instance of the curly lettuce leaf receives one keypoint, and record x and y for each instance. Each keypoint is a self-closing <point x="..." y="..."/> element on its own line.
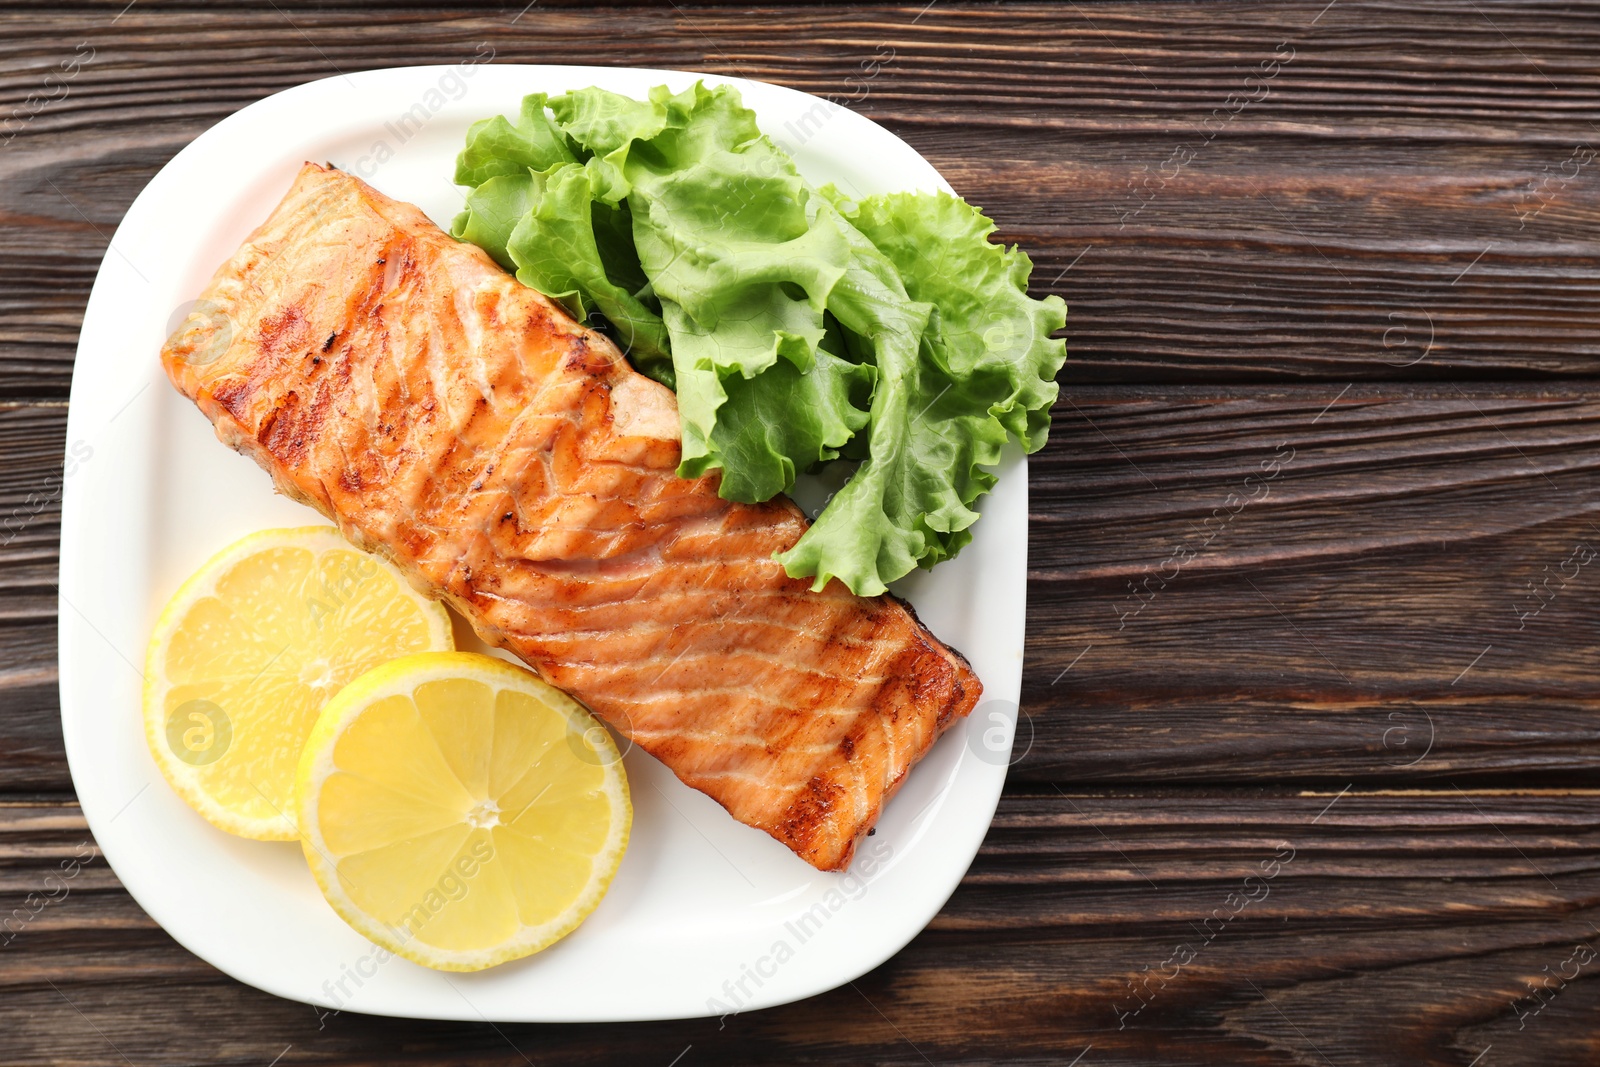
<point x="985" y="372"/>
<point x="726" y="231"/>
<point x="533" y="210"/>
<point x="556" y="251"/>
<point x="903" y="505"/>
<point x="988" y="333"/>
<point x="801" y="325"/>
<point x="497" y="146"/>
<point x="492" y="213"/>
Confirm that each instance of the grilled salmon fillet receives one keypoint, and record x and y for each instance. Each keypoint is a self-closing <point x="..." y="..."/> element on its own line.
<point x="514" y="465"/>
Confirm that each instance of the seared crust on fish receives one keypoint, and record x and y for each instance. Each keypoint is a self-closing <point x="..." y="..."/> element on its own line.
<point x="514" y="465"/>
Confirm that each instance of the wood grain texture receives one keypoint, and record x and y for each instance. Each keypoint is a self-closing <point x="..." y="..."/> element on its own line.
<point x="1308" y="557"/>
<point x="32" y="445"/>
<point x="1411" y="192"/>
<point x="1252" y="927"/>
<point x="1315" y="582"/>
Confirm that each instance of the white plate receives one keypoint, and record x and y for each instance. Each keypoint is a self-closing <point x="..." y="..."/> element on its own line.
<point x="706" y="916"/>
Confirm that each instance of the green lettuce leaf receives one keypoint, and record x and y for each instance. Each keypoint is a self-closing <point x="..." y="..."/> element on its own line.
<point x="492" y="212"/>
<point x="497" y="146"/>
<point x="556" y="251"/>
<point x="726" y="231"/>
<point x="532" y="209"/>
<point x="988" y="334"/>
<point x="986" y="371"/>
<point x="801" y="325"/>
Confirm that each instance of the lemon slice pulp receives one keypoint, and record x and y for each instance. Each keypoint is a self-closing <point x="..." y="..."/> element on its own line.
<point x="250" y="649"/>
<point x="460" y="812"/>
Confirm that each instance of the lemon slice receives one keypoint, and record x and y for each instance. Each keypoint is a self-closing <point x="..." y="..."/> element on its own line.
<point x="249" y="650"/>
<point x="460" y="812"/>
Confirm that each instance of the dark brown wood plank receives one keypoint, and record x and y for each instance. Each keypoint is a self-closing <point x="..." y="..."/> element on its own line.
<point x="1324" y="582"/>
<point x="1409" y="193"/>
<point x="32" y="444"/>
<point x="1255" y="928"/>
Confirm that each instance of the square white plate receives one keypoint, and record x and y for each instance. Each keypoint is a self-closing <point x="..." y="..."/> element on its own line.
<point x="706" y="916"/>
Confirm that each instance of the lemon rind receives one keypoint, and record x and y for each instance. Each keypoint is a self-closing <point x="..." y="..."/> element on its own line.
<point x="202" y="583"/>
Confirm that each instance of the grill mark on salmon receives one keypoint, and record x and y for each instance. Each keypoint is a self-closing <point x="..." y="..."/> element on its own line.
<point x="511" y="463"/>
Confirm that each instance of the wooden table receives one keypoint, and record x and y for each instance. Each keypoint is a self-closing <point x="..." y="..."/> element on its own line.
<point x="1312" y="638"/>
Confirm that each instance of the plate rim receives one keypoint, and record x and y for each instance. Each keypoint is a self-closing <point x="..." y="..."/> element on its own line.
<point x="72" y="657"/>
